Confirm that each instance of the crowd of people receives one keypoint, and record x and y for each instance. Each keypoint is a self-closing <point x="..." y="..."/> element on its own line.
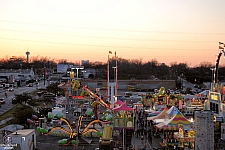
<point x="142" y="127"/>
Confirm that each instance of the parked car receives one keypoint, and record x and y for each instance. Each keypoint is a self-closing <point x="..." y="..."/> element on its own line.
<point x="2" y="100"/>
<point x="30" y="85"/>
<point x="10" y="89"/>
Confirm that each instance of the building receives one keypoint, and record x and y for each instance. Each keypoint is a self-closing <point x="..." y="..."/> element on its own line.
<point x="16" y="76"/>
<point x="25" y="138"/>
<point x="204" y="130"/>
<point x="85" y="62"/>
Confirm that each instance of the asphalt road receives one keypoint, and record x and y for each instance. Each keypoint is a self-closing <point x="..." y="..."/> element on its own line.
<point x="8" y="104"/>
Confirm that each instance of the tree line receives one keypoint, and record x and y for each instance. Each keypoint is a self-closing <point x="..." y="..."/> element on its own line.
<point x="127" y="68"/>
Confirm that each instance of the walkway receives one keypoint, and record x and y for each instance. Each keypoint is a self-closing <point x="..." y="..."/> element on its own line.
<point x="145" y="144"/>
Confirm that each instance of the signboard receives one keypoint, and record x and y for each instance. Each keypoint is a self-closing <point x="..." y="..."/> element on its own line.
<point x="219" y="119"/>
<point x="214" y="96"/>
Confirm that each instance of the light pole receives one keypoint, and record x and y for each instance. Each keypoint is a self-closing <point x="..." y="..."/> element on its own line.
<point x="21" y="74"/>
<point x="110" y="52"/>
<point x="116" y="86"/>
<point x="44" y="74"/>
<point x="212" y="69"/>
<point x="83" y="77"/>
<point x="77" y="68"/>
<point x="114" y="75"/>
<point x="182" y="81"/>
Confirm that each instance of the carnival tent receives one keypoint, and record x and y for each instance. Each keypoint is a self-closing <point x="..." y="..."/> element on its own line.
<point x="123" y="107"/>
<point x="159" y="116"/>
<point x="119" y="102"/>
<point x="173" y="123"/>
<point x="171" y="112"/>
<point x="155" y="113"/>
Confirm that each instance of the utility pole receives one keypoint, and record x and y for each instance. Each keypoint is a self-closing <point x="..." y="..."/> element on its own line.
<point x="44" y="74"/>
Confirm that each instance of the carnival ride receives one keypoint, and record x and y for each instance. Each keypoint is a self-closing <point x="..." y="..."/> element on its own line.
<point x="107" y="135"/>
<point x="96" y="100"/>
<point x="221" y="51"/>
<point x="163" y="97"/>
<point x="106" y="141"/>
<point x="71" y="132"/>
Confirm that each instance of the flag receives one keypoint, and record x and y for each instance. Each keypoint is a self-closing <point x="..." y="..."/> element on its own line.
<point x="5" y="137"/>
<point x="110" y="52"/>
<point x="220" y="47"/>
<point x="220" y="43"/>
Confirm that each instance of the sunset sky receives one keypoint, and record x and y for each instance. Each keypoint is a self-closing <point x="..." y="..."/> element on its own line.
<point x="169" y="31"/>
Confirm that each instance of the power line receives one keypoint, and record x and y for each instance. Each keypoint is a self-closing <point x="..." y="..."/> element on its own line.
<point x="91" y="45"/>
<point x="114" y="38"/>
<point x="113" y="30"/>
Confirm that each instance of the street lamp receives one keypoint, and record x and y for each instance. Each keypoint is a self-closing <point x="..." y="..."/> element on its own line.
<point x="44" y="75"/>
<point x="114" y="76"/>
<point x="21" y="74"/>
<point x="212" y="69"/>
<point x="181" y="77"/>
<point x="83" y="76"/>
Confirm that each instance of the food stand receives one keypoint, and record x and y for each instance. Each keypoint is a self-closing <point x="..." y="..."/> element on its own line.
<point x="185" y="137"/>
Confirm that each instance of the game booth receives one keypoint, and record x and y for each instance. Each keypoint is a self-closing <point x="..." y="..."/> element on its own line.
<point x="185" y="137"/>
<point x="123" y="126"/>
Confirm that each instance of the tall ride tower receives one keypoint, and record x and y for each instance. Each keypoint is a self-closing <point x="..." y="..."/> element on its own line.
<point x="27" y="53"/>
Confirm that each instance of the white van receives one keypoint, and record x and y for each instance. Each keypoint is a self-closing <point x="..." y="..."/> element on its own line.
<point x="7" y="86"/>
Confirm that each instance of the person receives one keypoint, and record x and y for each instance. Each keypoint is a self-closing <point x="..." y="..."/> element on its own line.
<point x="150" y="138"/>
<point x="6" y="94"/>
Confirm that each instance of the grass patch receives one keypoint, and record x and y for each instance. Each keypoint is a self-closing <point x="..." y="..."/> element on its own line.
<point x="34" y="93"/>
<point x="10" y="112"/>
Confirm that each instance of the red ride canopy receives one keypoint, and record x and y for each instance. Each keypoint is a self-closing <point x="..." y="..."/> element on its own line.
<point x="77" y="97"/>
<point x="119" y="102"/>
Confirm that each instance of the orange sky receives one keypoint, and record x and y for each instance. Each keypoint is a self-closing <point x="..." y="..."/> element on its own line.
<point x="168" y="31"/>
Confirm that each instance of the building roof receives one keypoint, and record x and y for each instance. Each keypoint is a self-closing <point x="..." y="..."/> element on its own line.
<point x="23" y="132"/>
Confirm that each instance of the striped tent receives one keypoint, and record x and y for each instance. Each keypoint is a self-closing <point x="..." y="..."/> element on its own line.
<point x="159" y="116"/>
<point x="171" y="112"/>
<point x="155" y="113"/>
<point x="173" y="123"/>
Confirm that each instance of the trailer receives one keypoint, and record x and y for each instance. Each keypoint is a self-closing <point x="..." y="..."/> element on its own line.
<point x="25" y="138"/>
<point x="60" y="112"/>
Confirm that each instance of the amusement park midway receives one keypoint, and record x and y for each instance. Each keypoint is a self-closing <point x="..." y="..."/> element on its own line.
<point x="162" y="119"/>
